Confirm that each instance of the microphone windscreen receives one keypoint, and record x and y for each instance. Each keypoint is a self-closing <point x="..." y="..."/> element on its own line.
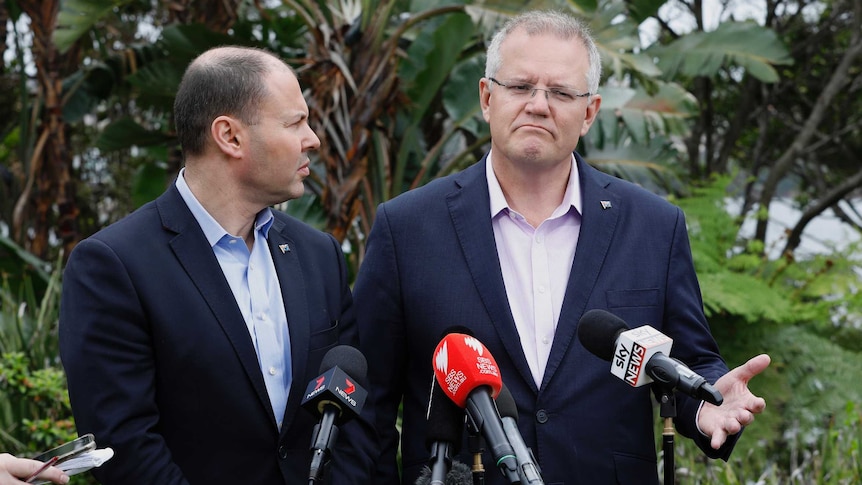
<point x="424" y="477"/>
<point x="459" y="474"/>
<point x="457" y="329"/>
<point x="445" y="420"/>
<point x="461" y="364"/>
<point x="349" y="359"/>
<point x="598" y="331"/>
<point x="506" y="404"/>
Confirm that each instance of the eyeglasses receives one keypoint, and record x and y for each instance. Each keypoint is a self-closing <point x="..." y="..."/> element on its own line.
<point x="522" y="90"/>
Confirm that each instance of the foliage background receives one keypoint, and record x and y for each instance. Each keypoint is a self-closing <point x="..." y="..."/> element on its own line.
<point x="722" y="113"/>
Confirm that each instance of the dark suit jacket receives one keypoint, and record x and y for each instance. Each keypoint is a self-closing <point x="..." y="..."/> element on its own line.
<point x="162" y="369"/>
<point x="431" y="263"/>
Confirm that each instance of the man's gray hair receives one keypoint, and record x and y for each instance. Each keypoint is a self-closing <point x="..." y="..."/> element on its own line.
<point x="557" y="23"/>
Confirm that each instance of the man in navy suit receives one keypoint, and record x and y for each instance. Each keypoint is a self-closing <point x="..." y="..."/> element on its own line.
<point x="190" y="329"/>
<point x="517" y="248"/>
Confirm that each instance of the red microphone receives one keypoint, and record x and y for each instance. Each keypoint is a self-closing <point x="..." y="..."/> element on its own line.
<point x="469" y="376"/>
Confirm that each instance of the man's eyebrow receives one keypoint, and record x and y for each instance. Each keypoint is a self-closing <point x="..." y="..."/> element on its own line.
<point x="296" y="117"/>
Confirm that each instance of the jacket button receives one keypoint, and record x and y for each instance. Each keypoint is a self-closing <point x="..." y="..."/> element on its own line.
<point x="542" y="416"/>
<point x="282" y="452"/>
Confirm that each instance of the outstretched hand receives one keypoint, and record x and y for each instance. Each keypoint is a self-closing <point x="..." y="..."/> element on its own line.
<point x="14" y="470"/>
<point x="739" y="406"/>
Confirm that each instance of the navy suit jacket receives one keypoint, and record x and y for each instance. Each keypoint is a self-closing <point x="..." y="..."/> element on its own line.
<point x="161" y="367"/>
<point x="431" y="264"/>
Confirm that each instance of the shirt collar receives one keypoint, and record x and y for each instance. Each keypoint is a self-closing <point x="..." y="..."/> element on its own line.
<point x="213" y="231"/>
<point x="572" y="197"/>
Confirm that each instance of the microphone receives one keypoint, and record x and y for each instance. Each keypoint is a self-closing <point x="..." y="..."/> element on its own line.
<point x="475" y="443"/>
<point x="460" y="474"/>
<point x="528" y="469"/>
<point x="640" y="356"/>
<point x="336" y="396"/>
<point x="468" y="375"/>
<point x="444" y="431"/>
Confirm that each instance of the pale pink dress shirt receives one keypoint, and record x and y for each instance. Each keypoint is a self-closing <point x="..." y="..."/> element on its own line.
<point x="536" y="263"/>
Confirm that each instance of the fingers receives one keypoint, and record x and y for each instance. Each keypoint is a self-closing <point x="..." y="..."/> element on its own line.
<point x="55" y="475"/>
<point x="757" y="405"/>
<point x="718" y="439"/>
<point x="745" y="417"/>
<point x="731" y="424"/>
<point x="21" y="468"/>
<point x="754" y="366"/>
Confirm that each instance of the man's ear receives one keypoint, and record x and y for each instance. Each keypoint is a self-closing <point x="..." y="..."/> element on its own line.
<point x="227" y="134"/>
<point x="592" y="112"/>
<point x="485" y="98"/>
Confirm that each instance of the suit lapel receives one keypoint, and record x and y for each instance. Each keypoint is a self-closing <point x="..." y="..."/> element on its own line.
<point x="470" y="210"/>
<point x="195" y="255"/>
<point x="285" y="254"/>
<point x="601" y="209"/>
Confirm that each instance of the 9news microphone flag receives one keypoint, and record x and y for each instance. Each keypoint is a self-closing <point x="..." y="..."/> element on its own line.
<point x="336" y="396"/>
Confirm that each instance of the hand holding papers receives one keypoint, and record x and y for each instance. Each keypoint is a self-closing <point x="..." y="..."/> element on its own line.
<point x="76" y="456"/>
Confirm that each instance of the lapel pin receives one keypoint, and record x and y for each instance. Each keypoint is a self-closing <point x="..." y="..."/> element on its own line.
<point x="606" y="204"/>
<point x="284" y="248"/>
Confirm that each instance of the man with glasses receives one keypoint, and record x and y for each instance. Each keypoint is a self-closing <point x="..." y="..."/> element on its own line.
<point x="516" y="248"/>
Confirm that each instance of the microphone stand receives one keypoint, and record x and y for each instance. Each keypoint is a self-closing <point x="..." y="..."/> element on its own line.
<point x="474" y="442"/>
<point x="441" y="463"/>
<point x="325" y="434"/>
<point x="667" y="410"/>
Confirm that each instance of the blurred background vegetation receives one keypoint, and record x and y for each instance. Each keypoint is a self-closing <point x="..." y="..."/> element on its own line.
<point x="747" y="114"/>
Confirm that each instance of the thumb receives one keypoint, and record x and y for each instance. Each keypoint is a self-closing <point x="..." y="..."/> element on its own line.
<point x="754" y="366"/>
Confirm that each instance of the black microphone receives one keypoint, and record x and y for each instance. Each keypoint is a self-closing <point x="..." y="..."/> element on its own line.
<point x="445" y="427"/>
<point x="460" y="474"/>
<point x="639" y="356"/>
<point x="336" y="396"/>
<point x="528" y="469"/>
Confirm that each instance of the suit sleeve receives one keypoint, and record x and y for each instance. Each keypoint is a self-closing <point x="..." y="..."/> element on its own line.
<point x="107" y="353"/>
<point x="381" y="336"/>
<point x="694" y="344"/>
<point x="357" y="447"/>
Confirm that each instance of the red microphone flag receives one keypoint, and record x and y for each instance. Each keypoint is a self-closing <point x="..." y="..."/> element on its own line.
<point x="461" y="364"/>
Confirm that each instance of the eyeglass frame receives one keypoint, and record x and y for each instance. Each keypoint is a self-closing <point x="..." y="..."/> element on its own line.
<point x="548" y="91"/>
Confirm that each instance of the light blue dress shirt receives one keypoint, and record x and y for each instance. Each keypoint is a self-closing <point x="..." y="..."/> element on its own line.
<point x="254" y="282"/>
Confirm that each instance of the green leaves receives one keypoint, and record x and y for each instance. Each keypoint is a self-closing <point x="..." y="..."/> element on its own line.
<point x="126" y="133"/>
<point x="430" y="58"/>
<point x="644" y="115"/>
<point x="76" y="17"/>
<point x="742" y="44"/>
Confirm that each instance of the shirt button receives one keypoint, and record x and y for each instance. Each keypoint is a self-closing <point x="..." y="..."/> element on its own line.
<point x="539" y="238"/>
<point x="272" y="371"/>
<point x="546" y="341"/>
<point x="541" y="288"/>
<point x="542" y="416"/>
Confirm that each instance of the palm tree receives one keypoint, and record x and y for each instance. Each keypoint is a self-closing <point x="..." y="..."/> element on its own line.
<point x="47" y="205"/>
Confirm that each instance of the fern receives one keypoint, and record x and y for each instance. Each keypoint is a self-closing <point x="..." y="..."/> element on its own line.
<point x="806" y="313"/>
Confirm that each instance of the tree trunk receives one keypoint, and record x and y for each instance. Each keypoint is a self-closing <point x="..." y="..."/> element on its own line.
<point x="48" y="199"/>
<point x="840" y="77"/>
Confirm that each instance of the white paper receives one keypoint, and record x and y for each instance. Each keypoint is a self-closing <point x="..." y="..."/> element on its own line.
<point x="86" y="461"/>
